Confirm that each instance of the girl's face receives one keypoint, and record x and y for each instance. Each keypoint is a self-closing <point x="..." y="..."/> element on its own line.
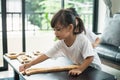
<point x="62" y="32"/>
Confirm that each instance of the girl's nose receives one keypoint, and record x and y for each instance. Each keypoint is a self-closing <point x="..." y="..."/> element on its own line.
<point x="55" y="32"/>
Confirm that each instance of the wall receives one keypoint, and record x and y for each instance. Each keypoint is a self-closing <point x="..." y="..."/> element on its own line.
<point x="115" y="6"/>
<point x="101" y="16"/>
<point x="102" y="13"/>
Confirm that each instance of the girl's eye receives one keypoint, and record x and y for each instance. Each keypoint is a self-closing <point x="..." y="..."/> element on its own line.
<point x="57" y="29"/>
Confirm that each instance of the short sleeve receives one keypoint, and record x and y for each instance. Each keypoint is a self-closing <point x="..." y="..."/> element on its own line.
<point x="87" y="49"/>
<point x="91" y="36"/>
<point x="53" y="50"/>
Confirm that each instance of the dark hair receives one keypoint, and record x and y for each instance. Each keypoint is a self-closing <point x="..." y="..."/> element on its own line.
<point x="73" y="11"/>
<point x="80" y="22"/>
<point x="65" y="17"/>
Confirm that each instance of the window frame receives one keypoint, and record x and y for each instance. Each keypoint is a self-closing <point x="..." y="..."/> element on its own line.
<point x="95" y="16"/>
<point x="4" y="34"/>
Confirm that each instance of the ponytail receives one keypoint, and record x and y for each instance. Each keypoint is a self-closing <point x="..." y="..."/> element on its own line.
<point x="79" y="27"/>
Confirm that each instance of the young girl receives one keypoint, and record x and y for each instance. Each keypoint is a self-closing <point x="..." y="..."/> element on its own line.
<point x="72" y="43"/>
<point x="94" y="39"/>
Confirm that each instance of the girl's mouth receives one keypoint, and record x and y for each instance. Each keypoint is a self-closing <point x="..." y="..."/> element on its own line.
<point x="58" y="37"/>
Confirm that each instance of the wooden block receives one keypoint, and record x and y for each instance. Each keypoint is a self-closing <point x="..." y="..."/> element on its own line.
<point x="24" y="59"/>
<point x="37" y="53"/>
<point x="50" y="69"/>
<point x="14" y="55"/>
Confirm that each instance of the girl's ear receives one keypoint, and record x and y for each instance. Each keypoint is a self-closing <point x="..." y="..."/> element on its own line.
<point x="70" y="27"/>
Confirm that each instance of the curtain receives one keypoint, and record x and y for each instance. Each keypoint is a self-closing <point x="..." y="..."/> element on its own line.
<point x="108" y="4"/>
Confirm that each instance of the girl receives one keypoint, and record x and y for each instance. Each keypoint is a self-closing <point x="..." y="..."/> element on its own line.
<point x="72" y="43"/>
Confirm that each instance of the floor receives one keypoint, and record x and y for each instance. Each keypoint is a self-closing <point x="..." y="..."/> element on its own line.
<point x="111" y="63"/>
<point x="6" y="75"/>
<point x="112" y="71"/>
<point x="111" y="68"/>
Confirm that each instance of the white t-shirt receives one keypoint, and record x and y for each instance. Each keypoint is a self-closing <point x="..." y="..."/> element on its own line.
<point x="80" y="50"/>
<point x="90" y="35"/>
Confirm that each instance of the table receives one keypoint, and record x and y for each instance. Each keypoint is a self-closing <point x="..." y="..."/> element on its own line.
<point x="89" y="74"/>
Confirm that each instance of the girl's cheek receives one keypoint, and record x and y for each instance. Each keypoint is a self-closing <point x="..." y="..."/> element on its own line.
<point x="55" y="32"/>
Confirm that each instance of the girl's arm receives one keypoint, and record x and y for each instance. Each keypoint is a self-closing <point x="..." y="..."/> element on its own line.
<point x="82" y="67"/>
<point x="39" y="59"/>
<point x="86" y="63"/>
<point x="96" y="43"/>
<point x="35" y="61"/>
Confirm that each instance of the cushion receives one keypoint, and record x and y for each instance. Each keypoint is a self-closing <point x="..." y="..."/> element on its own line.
<point x="116" y="16"/>
<point x="107" y="51"/>
<point x="111" y="34"/>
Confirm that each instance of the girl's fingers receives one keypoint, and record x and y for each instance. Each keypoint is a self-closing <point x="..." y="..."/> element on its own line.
<point x="74" y="72"/>
<point x="22" y="68"/>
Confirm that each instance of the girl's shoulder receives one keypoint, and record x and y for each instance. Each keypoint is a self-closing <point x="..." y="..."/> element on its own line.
<point x="59" y="42"/>
<point x="82" y="37"/>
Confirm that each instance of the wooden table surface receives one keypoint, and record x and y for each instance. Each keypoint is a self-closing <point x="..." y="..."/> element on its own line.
<point x="89" y="74"/>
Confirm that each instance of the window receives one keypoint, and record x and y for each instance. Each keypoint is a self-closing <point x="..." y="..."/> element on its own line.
<point x="14" y="25"/>
<point x="3" y="36"/>
<point x="84" y="9"/>
<point x="10" y="29"/>
<point x="39" y="13"/>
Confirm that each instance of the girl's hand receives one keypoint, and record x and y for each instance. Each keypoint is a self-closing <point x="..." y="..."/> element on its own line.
<point x="24" y="67"/>
<point x="75" y="72"/>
